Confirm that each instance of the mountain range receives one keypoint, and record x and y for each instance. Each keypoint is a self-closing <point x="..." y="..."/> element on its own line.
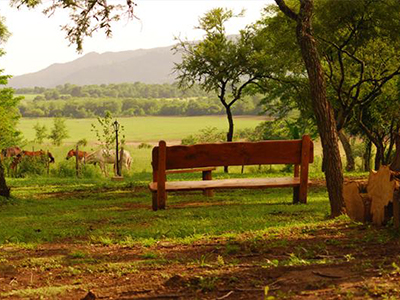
<point x="143" y="65"/>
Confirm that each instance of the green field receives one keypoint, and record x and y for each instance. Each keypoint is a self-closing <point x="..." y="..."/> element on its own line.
<point x="143" y="129"/>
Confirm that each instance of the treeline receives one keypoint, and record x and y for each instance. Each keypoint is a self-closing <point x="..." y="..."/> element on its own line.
<point x="94" y="107"/>
<point x="123" y="90"/>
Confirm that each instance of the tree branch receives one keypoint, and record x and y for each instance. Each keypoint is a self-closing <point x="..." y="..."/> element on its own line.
<point x="286" y="10"/>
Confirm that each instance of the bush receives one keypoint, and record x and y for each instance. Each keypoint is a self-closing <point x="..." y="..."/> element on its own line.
<point x="144" y="146"/>
<point x="206" y="135"/>
<point x="67" y="169"/>
<point x="31" y="166"/>
<point x="64" y="169"/>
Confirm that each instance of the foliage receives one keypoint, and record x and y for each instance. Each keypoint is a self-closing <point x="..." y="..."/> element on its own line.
<point x="221" y="64"/>
<point x="32" y="166"/>
<point x="105" y="134"/>
<point x="137" y="90"/>
<point x="87" y="16"/>
<point x="89" y="107"/>
<point x="206" y="135"/>
<point x="9" y="115"/>
<point x="67" y="169"/>
<point x="358" y="47"/>
<point x="144" y="146"/>
<point x="40" y="132"/>
<point x="59" y="131"/>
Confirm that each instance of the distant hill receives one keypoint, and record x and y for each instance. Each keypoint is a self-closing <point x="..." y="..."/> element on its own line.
<point x="143" y="65"/>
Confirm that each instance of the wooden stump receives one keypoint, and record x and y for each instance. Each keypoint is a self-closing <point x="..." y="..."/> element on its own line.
<point x="357" y="203"/>
<point x="370" y="202"/>
<point x="380" y="189"/>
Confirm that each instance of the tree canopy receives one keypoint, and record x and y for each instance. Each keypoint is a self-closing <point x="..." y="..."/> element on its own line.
<point x="225" y="65"/>
<point x="86" y="16"/>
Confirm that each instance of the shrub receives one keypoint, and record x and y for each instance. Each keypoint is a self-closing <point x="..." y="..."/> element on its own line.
<point x="67" y="169"/>
<point x="144" y="146"/>
<point x="206" y="135"/>
<point x="29" y="166"/>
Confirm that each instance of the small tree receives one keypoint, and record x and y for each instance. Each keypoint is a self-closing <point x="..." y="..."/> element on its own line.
<point x="105" y="133"/>
<point x="225" y="65"/>
<point x="59" y="131"/>
<point x="40" y="132"/>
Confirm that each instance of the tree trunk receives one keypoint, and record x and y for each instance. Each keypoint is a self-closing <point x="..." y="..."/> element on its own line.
<point x="322" y="109"/>
<point x="395" y="163"/>
<point x="379" y="156"/>
<point x="4" y="189"/>
<point x="367" y="156"/>
<point x="229" y="135"/>
<point x="347" y="150"/>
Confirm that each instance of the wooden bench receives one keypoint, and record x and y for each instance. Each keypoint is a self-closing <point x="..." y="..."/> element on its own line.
<point x="165" y="158"/>
<point x="206" y="175"/>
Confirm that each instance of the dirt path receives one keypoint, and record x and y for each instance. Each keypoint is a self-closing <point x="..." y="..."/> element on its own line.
<point x="345" y="262"/>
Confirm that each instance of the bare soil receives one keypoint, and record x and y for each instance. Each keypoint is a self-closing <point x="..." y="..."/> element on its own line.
<point x="339" y="261"/>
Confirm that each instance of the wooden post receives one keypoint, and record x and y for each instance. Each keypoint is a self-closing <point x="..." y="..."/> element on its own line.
<point x="207" y="175"/>
<point x="47" y="163"/>
<point x="77" y="161"/>
<point x="296" y="189"/>
<point x="162" y="178"/>
<point x="305" y="160"/>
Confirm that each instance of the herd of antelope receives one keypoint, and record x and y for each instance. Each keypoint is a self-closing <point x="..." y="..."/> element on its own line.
<point x="101" y="157"/>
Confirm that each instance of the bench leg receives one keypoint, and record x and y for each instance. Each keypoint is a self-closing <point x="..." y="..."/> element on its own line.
<point x="154" y="201"/>
<point x="207" y="175"/>
<point x="296" y="195"/>
<point x="158" y="200"/>
<point x="161" y="199"/>
<point x="303" y="193"/>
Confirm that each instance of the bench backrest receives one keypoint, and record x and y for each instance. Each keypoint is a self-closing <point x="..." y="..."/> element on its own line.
<point x="232" y="154"/>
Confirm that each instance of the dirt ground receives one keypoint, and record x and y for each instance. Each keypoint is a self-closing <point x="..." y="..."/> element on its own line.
<point x="345" y="262"/>
<point x="340" y="260"/>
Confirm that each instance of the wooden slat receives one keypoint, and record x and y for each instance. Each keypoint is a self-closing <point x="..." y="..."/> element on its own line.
<point x="190" y="170"/>
<point x="237" y="183"/>
<point x="233" y="154"/>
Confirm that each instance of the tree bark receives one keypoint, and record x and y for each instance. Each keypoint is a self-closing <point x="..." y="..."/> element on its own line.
<point x="229" y="135"/>
<point x="379" y="156"/>
<point x="367" y="156"/>
<point x="322" y="109"/>
<point x="4" y="189"/>
<point x="350" y="166"/>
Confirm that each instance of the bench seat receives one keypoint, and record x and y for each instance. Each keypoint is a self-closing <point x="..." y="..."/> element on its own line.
<point x="236" y="183"/>
<point x="209" y="169"/>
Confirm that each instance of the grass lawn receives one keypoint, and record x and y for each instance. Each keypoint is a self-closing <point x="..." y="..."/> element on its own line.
<point x="61" y="238"/>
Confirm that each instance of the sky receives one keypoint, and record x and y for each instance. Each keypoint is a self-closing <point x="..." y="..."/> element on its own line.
<point x="37" y="40"/>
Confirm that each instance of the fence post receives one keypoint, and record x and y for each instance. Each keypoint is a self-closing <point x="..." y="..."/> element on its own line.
<point x="48" y="163"/>
<point x="77" y="161"/>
